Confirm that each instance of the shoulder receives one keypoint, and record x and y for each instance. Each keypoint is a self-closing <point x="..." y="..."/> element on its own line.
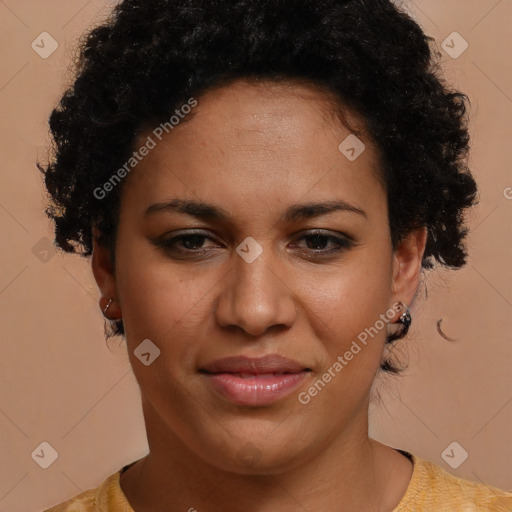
<point x="107" y="497"/>
<point x="433" y="488"/>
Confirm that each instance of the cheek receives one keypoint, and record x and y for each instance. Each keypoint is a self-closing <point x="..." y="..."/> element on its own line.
<point x="346" y="312"/>
<point x="162" y="301"/>
<point x="350" y="298"/>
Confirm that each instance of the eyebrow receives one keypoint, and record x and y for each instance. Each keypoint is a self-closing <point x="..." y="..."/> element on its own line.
<point x="207" y="211"/>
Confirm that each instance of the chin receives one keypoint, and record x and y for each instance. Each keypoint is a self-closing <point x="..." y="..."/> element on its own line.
<point x="256" y="451"/>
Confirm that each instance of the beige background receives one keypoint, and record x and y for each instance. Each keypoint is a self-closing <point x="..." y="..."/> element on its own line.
<point x="60" y="382"/>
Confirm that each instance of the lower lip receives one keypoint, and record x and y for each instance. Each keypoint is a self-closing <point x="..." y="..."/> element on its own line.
<point x="262" y="389"/>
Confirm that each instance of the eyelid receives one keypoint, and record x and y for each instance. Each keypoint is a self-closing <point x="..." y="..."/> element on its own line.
<point x="327" y="233"/>
<point x="171" y="235"/>
<point x="341" y="240"/>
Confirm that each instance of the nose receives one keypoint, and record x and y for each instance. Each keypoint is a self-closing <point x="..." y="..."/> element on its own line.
<point x="256" y="297"/>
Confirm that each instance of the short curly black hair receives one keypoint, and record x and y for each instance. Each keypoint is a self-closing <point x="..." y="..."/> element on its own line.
<point x="150" y="56"/>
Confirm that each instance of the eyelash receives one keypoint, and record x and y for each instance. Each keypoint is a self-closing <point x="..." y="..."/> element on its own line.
<point x="169" y="245"/>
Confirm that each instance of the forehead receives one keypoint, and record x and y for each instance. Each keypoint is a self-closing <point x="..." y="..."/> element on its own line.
<point x="267" y="106"/>
<point x="252" y="137"/>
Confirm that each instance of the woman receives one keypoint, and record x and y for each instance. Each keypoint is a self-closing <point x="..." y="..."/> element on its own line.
<point x="260" y="184"/>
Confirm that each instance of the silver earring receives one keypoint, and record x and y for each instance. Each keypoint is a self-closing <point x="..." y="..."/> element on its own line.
<point x="106" y="307"/>
<point x="405" y="318"/>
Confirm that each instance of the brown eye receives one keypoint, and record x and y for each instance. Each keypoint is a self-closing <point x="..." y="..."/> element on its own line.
<point x="186" y="243"/>
<point x="319" y="240"/>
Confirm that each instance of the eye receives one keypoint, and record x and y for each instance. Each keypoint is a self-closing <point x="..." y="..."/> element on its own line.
<point x="318" y="239"/>
<point x="191" y="243"/>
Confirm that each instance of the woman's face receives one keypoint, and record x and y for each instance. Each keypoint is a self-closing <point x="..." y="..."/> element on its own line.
<point x="255" y="280"/>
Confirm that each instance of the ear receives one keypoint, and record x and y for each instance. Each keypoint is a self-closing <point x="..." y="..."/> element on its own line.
<point x="104" y="275"/>
<point x="407" y="259"/>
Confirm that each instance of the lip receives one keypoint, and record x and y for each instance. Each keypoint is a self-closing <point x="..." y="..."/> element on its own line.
<point x="272" y="363"/>
<point x="255" y="381"/>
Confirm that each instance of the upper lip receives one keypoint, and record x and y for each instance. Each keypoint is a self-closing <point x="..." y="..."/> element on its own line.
<point x="272" y="363"/>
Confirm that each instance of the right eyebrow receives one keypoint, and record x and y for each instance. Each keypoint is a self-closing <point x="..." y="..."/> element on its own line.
<point x="199" y="209"/>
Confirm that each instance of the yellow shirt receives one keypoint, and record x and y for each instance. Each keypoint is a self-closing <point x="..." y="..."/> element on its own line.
<point x="431" y="489"/>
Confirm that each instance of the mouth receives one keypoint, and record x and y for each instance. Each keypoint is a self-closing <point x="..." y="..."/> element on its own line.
<point x="244" y="380"/>
<point x="255" y="389"/>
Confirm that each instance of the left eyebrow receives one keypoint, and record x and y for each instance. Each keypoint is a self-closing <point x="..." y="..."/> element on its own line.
<point x="310" y="210"/>
<point x="207" y="211"/>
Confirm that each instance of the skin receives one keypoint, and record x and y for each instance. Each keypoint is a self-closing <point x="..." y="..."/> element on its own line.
<point x="254" y="149"/>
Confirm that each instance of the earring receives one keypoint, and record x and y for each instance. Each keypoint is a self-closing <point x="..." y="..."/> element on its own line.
<point x="106" y="308"/>
<point x="405" y="318"/>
